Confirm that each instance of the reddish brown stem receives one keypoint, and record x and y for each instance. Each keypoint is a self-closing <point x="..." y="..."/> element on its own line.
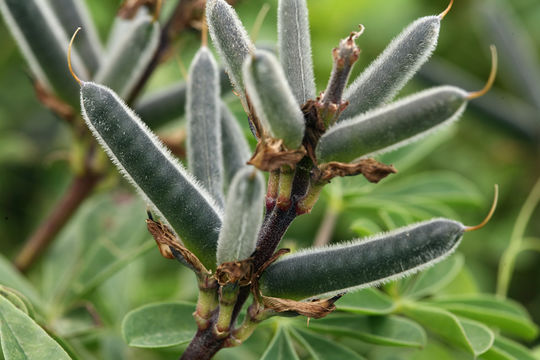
<point x="78" y="191"/>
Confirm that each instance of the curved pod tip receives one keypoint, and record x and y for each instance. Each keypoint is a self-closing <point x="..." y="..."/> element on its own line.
<point x="69" y="55"/>
<point x="447" y="10"/>
<point x="491" y="78"/>
<point x="490" y="213"/>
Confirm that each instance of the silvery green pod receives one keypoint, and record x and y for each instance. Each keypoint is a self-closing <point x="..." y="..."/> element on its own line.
<point x="230" y="39"/>
<point x="126" y="63"/>
<point x="392" y="126"/>
<point x="44" y="45"/>
<point x="294" y="45"/>
<point x="162" y="106"/>
<point x="235" y="148"/>
<point x="401" y="59"/>
<point x="272" y="99"/>
<point x="361" y="263"/>
<point x="159" y="178"/>
<point x="204" y="125"/>
<point x="73" y="14"/>
<point x="243" y="216"/>
<point x="122" y="27"/>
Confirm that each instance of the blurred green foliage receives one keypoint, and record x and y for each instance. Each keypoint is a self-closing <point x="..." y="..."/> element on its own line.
<point x="452" y="175"/>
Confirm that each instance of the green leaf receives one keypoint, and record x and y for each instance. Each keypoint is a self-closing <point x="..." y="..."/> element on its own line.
<point x="44" y="45"/>
<point x="505" y="314"/>
<point x="280" y="348"/>
<point x="243" y="216"/>
<point x="12" y="278"/>
<point x="392" y="126"/>
<point x="160" y="179"/>
<point x="294" y="45"/>
<point x="435" y="278"/>
<point x="380" y="330"/>
<point x="230" y="39"/>
<point x="77" y="321"/>
<point x="468" y="335"/>
<point x="361" y="263"/>
<point x="22" y="338"/>
<point x="401" y="59"/>
<point x="72" y="14"/>
<point x="272" y="99"/>
<point x="320" y="348"/>
<point x="125" y="65"/>
<point x="17" y="299"/>
<point x="506" y="349"/>
<point x="204" y="125"/>
<point x="159" y="325"/>
<point x="367" y="301"/>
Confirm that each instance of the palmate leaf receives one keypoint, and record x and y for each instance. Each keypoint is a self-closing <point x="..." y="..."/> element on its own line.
<point x="280" y="347"/>
<point x="361" y="263"/>
<point x="367" y="301"/>
<point x="160" y="179"/>
<point x="22" y="338"/>
<point x="323" y="349"/>
<point x="159" y="325"/>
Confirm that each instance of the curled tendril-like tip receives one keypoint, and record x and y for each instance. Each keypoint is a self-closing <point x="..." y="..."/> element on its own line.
<point x="491" y="78"/>
<point x="447" y="10"/>
<point x="489" y="215"/>
<point x="69" y="56"/>
<point x="157" y="10"/>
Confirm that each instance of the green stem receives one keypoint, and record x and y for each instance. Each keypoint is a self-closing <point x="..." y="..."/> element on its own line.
<point x="508" y="259"/>
<point x="227" y="300"/>
<point x="206" y="303"/>
<point x="285" y="188"/>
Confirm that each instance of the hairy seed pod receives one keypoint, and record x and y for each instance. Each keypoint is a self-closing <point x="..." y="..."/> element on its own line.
<point x="72" y="14"/>
<point x="230" y="38"/>
<point x="160" y="179"/>
<point x="204" y="125"/>
<point x="168" y="104"/>
<point x="392" y="126"/>
<point x="273" y="99"/>
<point x="401" y="59"/>
<point x="243" y="216"/>
<point x="294" y="45"/>
<point x="124" y="66"/>
<point x="361" y="263"/>
<point x="235" y="148"/>
<point x="44" y="45"/>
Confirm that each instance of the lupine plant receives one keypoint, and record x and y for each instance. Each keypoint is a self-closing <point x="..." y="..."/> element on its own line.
<point x="222" y="220"/>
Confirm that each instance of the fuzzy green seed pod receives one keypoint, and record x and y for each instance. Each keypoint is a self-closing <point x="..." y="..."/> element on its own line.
<point x="160" y="179"/>
<point x="204" y="125"/>
<point x="361" y="263"/>
<point x="243" y="216"/>
<point x="124" y="66"/>
<point x="401" y="59"/>
<point x="294" y="45"/>
<point x="273" y="100"/>
<point x="393" y="125"/>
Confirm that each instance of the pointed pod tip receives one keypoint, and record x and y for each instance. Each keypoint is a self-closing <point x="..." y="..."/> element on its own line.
<point x="491" y="78"/>
<point x="447" y="10"/>
<point x="490" y="213"/>
<point x="69" y="56"/>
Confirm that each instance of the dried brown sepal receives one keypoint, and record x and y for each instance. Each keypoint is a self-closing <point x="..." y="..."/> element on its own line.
<point x="372" y="170"/>
<point x="240" y="272"/>
<point x="167" y="242"/>
<point x="53" y="103"/>
<point x="315" y="309"/>
<point x="270" y="155"/>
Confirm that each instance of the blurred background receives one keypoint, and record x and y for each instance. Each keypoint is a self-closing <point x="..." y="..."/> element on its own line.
<point x="497" y="140"/>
